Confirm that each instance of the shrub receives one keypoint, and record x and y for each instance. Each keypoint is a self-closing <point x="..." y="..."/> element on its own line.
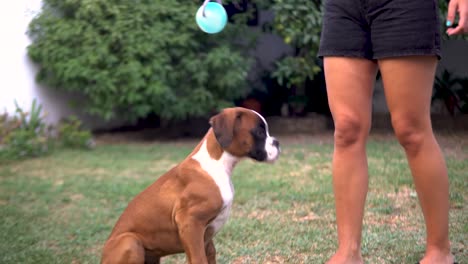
<point x="299" y="23"/>
<point x="25" y="134"/>
<point x="134" y="58"/>
<point x="71" y="134"/>
<point x="452" y="91"/>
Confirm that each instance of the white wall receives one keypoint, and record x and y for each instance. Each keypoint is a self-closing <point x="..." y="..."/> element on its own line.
<point x="17" y="75"/>
<point x="17" y="72"/>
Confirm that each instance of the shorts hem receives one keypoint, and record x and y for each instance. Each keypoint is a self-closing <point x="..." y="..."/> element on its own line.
<point x="352" y="54"/>
<point x="424" y="52"/>
<point x="382" y="55"/>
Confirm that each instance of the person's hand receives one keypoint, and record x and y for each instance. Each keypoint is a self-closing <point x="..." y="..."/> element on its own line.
<point x="460" y="6"/>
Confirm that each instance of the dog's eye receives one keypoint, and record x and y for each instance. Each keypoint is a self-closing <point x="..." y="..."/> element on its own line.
<point x="260" y="133"/>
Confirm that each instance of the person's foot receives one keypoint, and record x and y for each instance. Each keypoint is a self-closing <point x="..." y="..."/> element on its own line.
<point x="438" y="257"/>
<point x="345" y="259"/>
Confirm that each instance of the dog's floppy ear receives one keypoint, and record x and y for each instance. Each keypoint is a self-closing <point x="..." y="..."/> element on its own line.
<point x="224" y="126"/>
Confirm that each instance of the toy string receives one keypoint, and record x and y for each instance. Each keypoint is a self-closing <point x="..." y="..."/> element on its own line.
<point x="206" y="2"/>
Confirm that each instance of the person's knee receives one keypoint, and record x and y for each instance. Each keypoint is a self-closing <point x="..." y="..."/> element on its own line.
<point x="349" y="130"/>
<point x="410" y="133"/>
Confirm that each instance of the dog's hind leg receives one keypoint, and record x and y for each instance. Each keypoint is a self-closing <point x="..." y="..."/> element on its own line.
<point x="210" y="252"/>
<point x="152" y="260"/>
<point x="124" y="249"/>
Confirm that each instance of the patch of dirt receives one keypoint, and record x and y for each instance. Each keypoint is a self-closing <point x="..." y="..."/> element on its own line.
<point x="302" y="171"/>
<point x="260" y="214"/>
<point x="319" y="139"/>
<point x="297" y="213"/>
<point x="403" y="196"/>
<point x="275" y="260"/>
<point x="306" y="218"/>
<point x="405" y="213"/>
<point x="76" y="197"/>
<point x="454" y="145"/>
<point x="242" y="260"/>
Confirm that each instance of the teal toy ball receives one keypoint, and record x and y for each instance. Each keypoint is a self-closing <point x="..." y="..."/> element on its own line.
<point x="213" y="19"/>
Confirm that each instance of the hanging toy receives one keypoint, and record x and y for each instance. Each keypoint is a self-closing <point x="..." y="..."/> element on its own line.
<point x="211" y="17"/>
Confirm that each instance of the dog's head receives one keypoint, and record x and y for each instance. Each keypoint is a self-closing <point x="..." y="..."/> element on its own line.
<point x="244" y="133"/>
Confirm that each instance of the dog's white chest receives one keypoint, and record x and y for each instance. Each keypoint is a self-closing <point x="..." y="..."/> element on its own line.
<point x="223" y="181"/>
<point x="220" y="171"/>
<point x="221" y="219"/>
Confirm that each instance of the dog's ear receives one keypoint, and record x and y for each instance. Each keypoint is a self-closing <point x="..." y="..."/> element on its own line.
<point x="225" y="125"/>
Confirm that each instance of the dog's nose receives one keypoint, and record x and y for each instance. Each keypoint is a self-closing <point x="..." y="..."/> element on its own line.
<point x="276" y="143"/>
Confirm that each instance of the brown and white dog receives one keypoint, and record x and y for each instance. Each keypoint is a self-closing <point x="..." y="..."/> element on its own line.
<point x="184" y="209"/>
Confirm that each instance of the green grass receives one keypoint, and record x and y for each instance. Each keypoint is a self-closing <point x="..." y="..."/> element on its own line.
<point x="61" y="208"/>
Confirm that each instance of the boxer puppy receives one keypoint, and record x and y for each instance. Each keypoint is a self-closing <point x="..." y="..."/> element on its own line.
<point x="184" y="208"/>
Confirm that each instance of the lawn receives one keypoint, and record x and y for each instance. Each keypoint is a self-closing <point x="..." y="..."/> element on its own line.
<point x="61" y="208"/>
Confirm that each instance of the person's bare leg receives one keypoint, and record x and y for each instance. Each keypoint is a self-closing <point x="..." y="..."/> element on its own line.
<point x="350" y="84"/>
<point x="408" y="85"/>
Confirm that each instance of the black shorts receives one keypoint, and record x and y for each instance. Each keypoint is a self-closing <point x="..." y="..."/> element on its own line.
<point x="375" y="29"/>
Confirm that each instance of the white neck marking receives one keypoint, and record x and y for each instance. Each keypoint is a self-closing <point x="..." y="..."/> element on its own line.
<point x="220" y="171"/>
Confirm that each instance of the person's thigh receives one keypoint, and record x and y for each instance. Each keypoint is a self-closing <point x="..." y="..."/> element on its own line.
<point x="408" y="83"/>
<point x="350" y="84"/>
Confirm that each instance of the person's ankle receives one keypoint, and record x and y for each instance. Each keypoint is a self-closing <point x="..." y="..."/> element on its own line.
<point x="438" y="259"/>
<point x="345" y="258"/>
<point x="350" y="249"/>
<point x="440" y="246"/>
<point x="347" y="253"/>
<point x="438" y="255"/>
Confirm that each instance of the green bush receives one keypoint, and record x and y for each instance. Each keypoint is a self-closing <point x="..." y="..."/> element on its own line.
<point x="71" y="134"/>
<point x="452" y="91"/>
<point x="299" y="23"/>
<point x="25" y="134"/>
<point x="134" y="58"/>
<point x="25" y="143"/>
